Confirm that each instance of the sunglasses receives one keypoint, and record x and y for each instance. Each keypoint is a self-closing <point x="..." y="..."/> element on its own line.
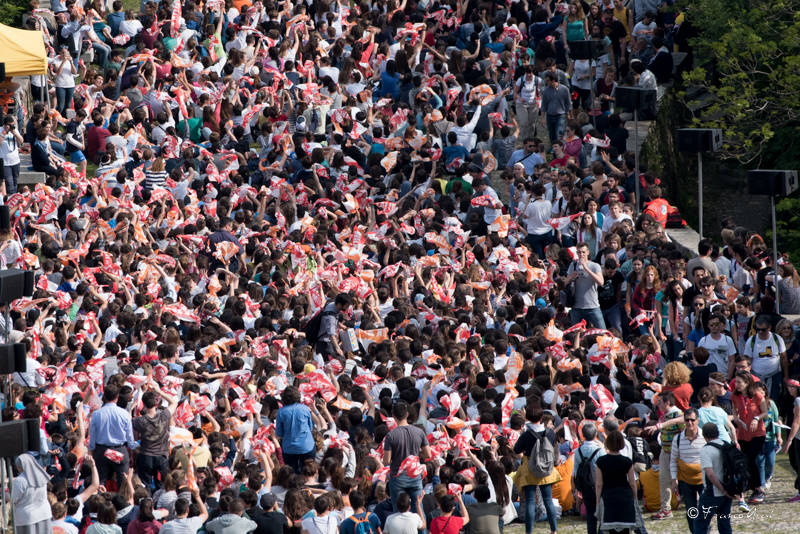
<point x="690" y="420"/>
<point x="762" y="329"/>
<point x="699" y="304"/>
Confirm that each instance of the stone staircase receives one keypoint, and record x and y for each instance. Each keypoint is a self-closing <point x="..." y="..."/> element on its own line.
<point x="26" y="175"/>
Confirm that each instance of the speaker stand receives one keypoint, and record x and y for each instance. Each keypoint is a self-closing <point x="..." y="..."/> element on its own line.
<point x="636" y="155"/>
<point x="775" y="256"/>
<point x="700" y="193"/>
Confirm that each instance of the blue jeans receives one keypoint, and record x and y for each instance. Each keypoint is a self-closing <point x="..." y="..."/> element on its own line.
<point x="613" y="317"/>
<point x="102" y="51"/>
<point x="674" y="347"/>
<point x="539" y="242"/>
<point x="689" y="494"/>
<point x="64" y="98"/>
<point x="530" y="506"/>
<point x="707" y="508"/>
<point x="404" y="483"/>
<point x="766" y="461"/>
<point x="556" y="124"/>
<point x="592" y="315"/>
<point x="11" y="177"/>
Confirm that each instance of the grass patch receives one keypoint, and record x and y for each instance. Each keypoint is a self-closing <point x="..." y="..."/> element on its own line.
<point x="775" y="516"/>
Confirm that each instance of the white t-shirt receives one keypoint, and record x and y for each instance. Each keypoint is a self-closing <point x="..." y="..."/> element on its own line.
<point x="536" y="215"/>
<point x="719" y="351"/>
<point x="185" y="525"/>
<point x="610" y="221"/>
<point x="403" y="523"/>
<point x="766" y="354"/>
<point x="66" y="78"/>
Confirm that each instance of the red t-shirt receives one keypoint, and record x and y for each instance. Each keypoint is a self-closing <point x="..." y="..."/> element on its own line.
<point x="446" y="525"/>
<point x="747" y="408"/>
<point x="682" y="395"/>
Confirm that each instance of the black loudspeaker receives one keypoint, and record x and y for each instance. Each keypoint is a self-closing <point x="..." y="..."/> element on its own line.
<point x="694" y="140"/>
<point x="17" y="437"/>
<point x="12" y="358"/>
<point x="771" y="182"/>
<point x="2" y="71"/>
<point x="586" y="49"/>
<point x="14" y="284"/>
<point x="630" y="98"/>
<point x="5" y="218"/>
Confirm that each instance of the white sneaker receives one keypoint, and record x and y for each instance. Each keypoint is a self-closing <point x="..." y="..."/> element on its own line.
<point x="768" y="484"/>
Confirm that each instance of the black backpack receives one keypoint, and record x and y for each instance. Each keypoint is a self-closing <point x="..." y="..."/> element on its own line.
<point x="641" y="451"/>
<point x="584" y="476"/>
<point x="314" y="325"/>
<point x="735" y="469"/>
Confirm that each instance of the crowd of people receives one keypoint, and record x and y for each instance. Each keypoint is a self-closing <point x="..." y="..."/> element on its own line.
<point x="373" y="267"/>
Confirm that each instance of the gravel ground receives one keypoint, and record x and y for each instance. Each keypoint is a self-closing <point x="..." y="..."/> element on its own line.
<point x="775" y="516"/>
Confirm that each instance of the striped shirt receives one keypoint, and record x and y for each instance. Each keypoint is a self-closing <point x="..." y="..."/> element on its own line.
<point x="154" y="179"/>
<point x="687" y="450"/>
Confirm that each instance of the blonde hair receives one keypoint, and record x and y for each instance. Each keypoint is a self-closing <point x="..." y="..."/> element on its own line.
<point x="676" y="374"/>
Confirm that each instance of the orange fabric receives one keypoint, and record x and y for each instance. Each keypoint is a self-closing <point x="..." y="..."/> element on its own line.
<point x="562" y="490"/>
<point x="659" y="209"/>
<point x="682" y="395"/>
<point x="748" y="408"/>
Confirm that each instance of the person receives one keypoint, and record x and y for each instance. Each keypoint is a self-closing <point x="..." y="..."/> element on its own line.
<point x="32" y="514"/>
<point x="703" y="259"/>
<point x="360" y="514"/>
<point x="182" y="522"/>
<point x="773" y="441"/>
<point x="152" y="429"/>
<point x="714" y="500"/>
<point x="585" y="276"/>
<point x="556" y="107"/>
<point x="720" y="346"/>
<point x="709" y="411"/>
<point x="684" y="464"/>
<point x="790" y="444"/>
<point x="535" y="217"/>
<point x="294" y="426"/>
<point x="448" y="523"/>
<point x="528" y="156"/>
<point x="750" y="410"/>
<point x="484" y="516"/>
<point x="328" y="342"/>
<point x="232" y="521"/>
<point x="615" y="487"/>
<point x="403" y="442"/>
<point x="145" y="522"/>
<point x="768" y="353"/>
<point x="404" y="521"/>
<point x="9" y="152"/>
<point x="588" y="452"/>
<point x="106" y="522"/>
<point x="525" y="480"/>
<point x="670" y="425"/>
<point x="527" y="97"/>
<point x="111" y="436"/>
<point x="273" y="520"/>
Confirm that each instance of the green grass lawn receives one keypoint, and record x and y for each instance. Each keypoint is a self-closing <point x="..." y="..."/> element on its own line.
<point x="775" y="516"/>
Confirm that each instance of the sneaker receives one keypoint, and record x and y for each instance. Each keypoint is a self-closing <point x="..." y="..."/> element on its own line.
<point x="743" y="507"/>
<point x="663" y="514"/>
<point x="768" y="484"/>
<point x="756" y="498"/>
<point x="796" y="498"/>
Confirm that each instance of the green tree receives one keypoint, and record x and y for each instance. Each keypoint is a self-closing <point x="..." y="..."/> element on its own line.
<point x="11" y="11"/>
<point x="751" y="70"/>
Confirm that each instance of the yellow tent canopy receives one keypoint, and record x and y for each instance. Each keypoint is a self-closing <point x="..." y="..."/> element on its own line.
<point x="23" y="51"/>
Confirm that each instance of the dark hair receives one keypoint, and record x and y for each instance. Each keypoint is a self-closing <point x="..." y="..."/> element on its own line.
<point x="710" y="431"/>
<point x="403" y="502"/>
<point x="447" y="504"/>
<point x="291" y="395"/>
<point x="322" y="504"/>
<point x="145" y="510"/>
<point x="106" y="513"/>
<point x="181" y="507"/>
<point x="615" y="441"/>
<point x="357" y="499"/>
<point x="400" y="410"/>
<point x="482" y="493"/>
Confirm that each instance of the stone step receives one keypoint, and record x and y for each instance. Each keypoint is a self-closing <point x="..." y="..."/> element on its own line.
<point x="26" y="175"/>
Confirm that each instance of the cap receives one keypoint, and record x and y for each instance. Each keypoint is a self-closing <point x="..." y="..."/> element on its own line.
<point x="300" y="125"/>
<point x="309" y="368"/>
<point x="267" y="501"/>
